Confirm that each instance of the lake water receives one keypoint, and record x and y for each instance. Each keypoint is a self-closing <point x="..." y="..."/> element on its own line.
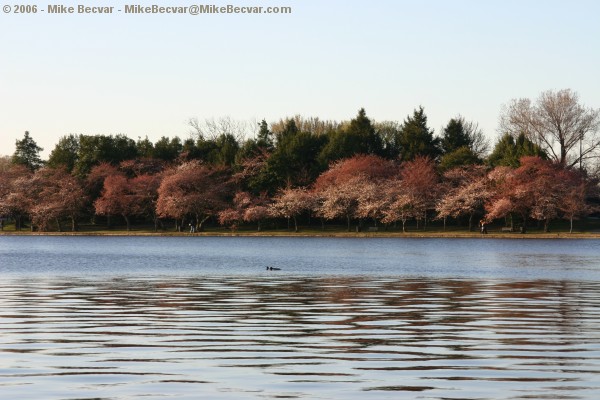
<point x="199" y="317"/>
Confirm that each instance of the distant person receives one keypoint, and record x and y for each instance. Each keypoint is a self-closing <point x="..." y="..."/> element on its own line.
<point x="483" y="227"/>
<point x="192" y="228"/>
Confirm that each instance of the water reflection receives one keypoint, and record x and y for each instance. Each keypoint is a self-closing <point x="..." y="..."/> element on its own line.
<point x="276" y="336"/>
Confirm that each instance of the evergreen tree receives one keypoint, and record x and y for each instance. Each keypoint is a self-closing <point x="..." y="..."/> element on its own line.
<point x="265" y="136"/>
<point x="289" y="131"/>
<point x="459" y="157"/>
<point x="368" y="141"/>
<point x="168" y="149"/>
<point x="65" y="153"/>
<point x="509" y="151"/>
<point x="358" y="137"/>
<point x="389" y="132"/>
<point x="145" y="148"/>
<point x="454" y="136"/>
<point x="416" y="139"/>
<point x="226" y="149"/>
<point x="27" y="153"/>
<point x="96" y="149"/>
<point x="294" y="160"/>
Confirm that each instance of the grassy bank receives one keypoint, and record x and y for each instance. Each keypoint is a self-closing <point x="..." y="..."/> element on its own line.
<point x="561" y="231"/>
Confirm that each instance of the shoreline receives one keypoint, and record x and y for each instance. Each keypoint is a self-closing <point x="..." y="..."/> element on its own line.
<point x="398" y="235"/>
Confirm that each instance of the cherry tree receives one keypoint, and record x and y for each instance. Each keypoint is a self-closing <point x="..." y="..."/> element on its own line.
<point x="230" y="217"/>
<point x="144" y="189"/>
<point x="348" y="189"/>
<point x="71" y="197"/>
<point x="372" y="200"/>
<point x="193" y="190"/>
<point x="235" y="215"/>
<point x="94" y="182"/>
<point x="373" y="167"/>
<point x="34" y="188"/>
<point x="419" y="185"/>
<point x="258" y="209"/>
<point x="13" y="194"/>
<point x="401" y="204"/>
<point x="117" y="198"/>
<point x="246" y="208"/>
<point x="533" y="190"/>
<point x="341" y="200"/>
<point x="290" y="203"/>
<point x="51" y="195"/>
<point x="575" y="190"/>
<point x="129" y="190"/>
<point x="142" y="166"/>
<point x="466" y="191"/>
<point x="501" y="204"/>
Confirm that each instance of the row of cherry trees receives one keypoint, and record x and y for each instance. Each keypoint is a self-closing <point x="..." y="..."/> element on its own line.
<point x="361" y="188"/>
<point x="370" y="188"/>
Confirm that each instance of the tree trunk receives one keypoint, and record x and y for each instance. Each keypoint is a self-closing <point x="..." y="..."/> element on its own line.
<point x="546" y="225"/>
<point x="444" y="224"/>
<point x="571" y="223"/>
<point x="322" y="224"/>
<point x="108" y="226"/>
<point x="126" y="221"/>
<point x="74" y="227"/>
<point x="288" y="221"/>
<point x="58" y="225"/>
<point x="295" y="224"/>
<point x="524" y="226"/>
<point x="348" y="220"/>
<point x="563" y="153"/>
<point x="404" y="226"/>
<point x="471" y="222"/>
<point x="202" y="221"/>
<point x="258" y="225"/>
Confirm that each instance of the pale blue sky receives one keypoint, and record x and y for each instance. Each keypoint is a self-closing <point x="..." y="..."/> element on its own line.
<point x="147" y="75"/>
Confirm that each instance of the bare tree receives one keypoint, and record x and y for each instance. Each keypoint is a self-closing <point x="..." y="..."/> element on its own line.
<point x="314" y="125"/>
<point x="558" y="123"/>
<point x="480" y="144"/>
<point x="212" y="128"/>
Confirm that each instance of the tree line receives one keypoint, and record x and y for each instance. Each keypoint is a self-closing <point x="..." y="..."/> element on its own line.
<point x="385" y="173"/>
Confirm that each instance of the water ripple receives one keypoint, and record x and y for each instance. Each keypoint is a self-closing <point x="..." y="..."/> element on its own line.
<point x="298" y="337"/>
